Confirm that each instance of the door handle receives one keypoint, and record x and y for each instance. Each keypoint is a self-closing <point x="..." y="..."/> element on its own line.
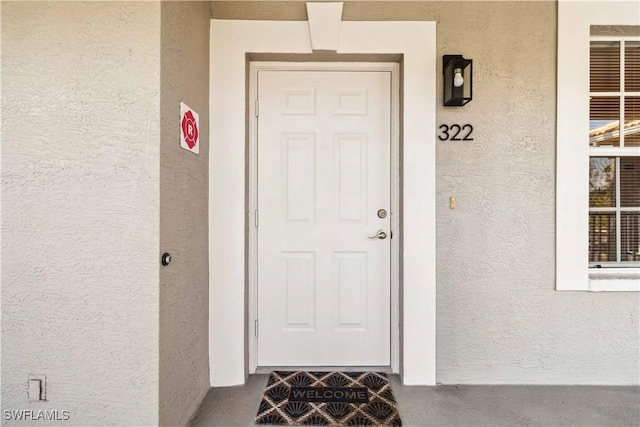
<point x="381" y="234"/>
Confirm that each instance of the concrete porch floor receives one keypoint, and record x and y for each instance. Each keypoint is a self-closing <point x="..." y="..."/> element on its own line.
<point x="466" y="405"/>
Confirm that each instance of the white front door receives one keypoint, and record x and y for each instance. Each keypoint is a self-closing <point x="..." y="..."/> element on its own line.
<point x="323" y="176"/>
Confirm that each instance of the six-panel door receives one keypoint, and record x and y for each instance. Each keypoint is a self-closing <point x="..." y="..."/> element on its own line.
<point x="323" y="175"/>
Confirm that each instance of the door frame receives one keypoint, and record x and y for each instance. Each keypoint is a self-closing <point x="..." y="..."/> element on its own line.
<point x="394" y="69"/>
<point x="235" y="42"/>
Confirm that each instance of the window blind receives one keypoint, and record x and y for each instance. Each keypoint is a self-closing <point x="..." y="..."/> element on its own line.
<point x="632" y="121"/>
<point x="605" y="67"/>
<point x="632" y="66"/>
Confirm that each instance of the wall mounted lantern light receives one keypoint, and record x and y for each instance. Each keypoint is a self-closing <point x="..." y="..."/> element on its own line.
<point x="457" y="80"/>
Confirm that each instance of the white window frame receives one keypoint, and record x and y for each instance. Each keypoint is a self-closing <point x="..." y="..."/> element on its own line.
<point x="575" y="19"/>
<point x="610" y="269"/>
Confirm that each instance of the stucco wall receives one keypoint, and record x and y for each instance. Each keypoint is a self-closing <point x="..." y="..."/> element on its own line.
<point x="500" y="319"/>
<point x="80" y="209"/>
<point x="184" y="284"/>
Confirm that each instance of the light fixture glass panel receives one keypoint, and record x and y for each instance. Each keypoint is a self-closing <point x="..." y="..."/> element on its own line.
<point x="602" y="237"/>
<point x="604" y="121"/>
<point x="602" y="182"/>
<point x="466" y="72"/>
<point x="632" y="121"/>
<point x="630" y="182"/>
<point x="604" y="67"/>
<point x="632" y="66"/>
<point x="448" y="77"/>
<point x="630" y="236"/>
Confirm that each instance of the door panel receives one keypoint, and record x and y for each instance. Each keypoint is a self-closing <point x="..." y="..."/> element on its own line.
<point x="323" y="173"/>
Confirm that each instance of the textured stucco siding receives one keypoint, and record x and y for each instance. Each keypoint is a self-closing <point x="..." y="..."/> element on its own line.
<point x="80" y="209"/>
<point x="499" y="317"/>
<point x="184" y="177"/>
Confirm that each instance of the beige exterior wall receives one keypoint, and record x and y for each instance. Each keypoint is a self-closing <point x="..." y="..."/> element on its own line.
<point x="184" y="178"/>
<point x="80" y="209"/>
<point x="500" y="319"/>
<point x="95" y="187"/>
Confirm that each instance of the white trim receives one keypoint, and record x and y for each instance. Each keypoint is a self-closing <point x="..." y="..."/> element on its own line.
<point x="625" y="272"/>
<point x="252" y="253"/>
<point x="618" y="216"/>
<point x="572" y="150"/>
<point x="230" y="41"/>
<point x="614" y="210"/>
<point x="324" y="25"/>
<point x="613" y="152"/>
<point x="614" y="285"/>
<point x="390" y="67"/>
<point x="268" y="369"/>
<point x="614" y="38"/>
<point x="395" y="219"/>
<point x="618" y="279"/>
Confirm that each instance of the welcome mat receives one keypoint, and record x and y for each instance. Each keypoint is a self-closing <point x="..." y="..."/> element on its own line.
<point x="328" y="399"/>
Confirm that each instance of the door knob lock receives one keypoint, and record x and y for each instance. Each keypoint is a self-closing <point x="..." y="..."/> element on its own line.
<point x="381" y="234"/>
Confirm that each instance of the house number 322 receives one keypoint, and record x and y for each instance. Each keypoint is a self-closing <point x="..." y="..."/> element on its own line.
<point x="452" y="133"/>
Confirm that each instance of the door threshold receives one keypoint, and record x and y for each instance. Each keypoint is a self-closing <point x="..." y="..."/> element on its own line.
<point x="269" y="369"/>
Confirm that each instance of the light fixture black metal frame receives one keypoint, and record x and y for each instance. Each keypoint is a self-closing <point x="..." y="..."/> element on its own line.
<point x="457" y="96"/>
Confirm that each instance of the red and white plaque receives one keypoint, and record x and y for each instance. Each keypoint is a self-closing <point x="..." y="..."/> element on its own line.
<point x="189" y="129"/>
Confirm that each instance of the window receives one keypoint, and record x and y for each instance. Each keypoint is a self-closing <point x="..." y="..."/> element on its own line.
<point x="614" y="150"/>
<point x="598" y="146"/>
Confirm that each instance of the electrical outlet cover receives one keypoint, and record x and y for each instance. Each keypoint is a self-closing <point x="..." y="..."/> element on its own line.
<point x="37" y="387"/>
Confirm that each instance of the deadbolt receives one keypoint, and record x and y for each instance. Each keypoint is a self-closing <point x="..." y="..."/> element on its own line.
<point x="382" y="213"/>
